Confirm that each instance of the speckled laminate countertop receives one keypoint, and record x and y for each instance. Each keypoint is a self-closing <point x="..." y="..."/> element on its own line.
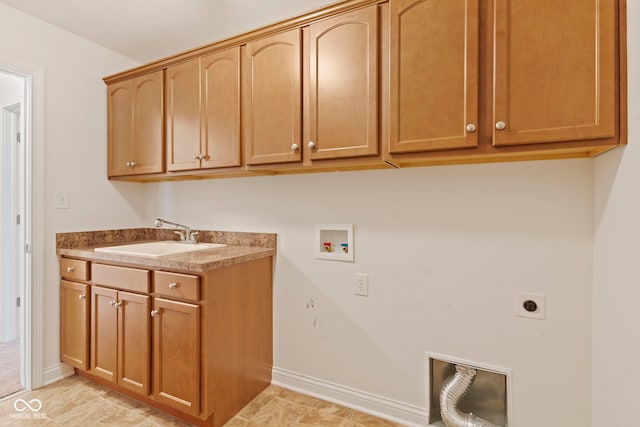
<point x="241" y="247"/>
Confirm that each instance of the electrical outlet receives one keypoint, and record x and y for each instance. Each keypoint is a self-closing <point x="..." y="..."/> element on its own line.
<point x="362" y="285"/>
<point x="531" y="306"/>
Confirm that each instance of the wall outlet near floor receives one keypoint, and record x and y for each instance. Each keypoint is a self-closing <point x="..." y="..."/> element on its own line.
<point x="362" y="285"/>
<point x="531" y="306"/>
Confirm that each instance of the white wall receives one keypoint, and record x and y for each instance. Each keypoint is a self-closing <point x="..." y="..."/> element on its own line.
<point x="616" y="281"/>
<point x="445" y="249"/>
<point x="11" y="92"/>
<point x="74" y="142"/>
<point x="10" y="87"/>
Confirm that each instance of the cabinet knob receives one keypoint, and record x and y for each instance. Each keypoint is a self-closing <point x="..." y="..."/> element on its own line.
<point x="295" y="147"/>
<point x="471" y="128"/>
<point x="112" y="303"/>
<point x="311" y="145"/>
<point x="196" y="157"/>
<point x="201" y="156"/>
<point x="131" y="164"/>
<point x="501" y="125"/>
<point x="117" y="303"/>
<point x="71" y="269"/>
<point x="154" y="313"/>
<point x="173" y="285"/>
<point x="82" y="296"/>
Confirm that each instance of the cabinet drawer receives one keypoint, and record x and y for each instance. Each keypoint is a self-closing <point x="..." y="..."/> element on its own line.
<point x="176" y="285"/>
<point x="131" y="279"/>
<point x="74" y="269"/>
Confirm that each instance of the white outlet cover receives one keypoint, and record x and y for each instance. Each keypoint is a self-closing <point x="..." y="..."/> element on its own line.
<point x="541" y="310"/>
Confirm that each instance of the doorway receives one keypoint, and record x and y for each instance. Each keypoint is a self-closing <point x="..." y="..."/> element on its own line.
<point x="12" y="235"/>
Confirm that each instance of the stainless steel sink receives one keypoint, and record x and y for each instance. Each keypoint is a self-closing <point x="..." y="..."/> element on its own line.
<point x="158" y="249"/>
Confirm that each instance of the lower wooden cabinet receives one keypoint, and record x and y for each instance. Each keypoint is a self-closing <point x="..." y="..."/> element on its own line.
<point x="176" y="354"/>
<point x="196" y="346"/>
<point x="120" y="339"/>
<point x="74" y="324"/>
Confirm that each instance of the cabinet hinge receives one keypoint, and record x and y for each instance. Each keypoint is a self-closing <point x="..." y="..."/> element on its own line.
<point x="18" y="219"/>
<point x="18" y="302"/>
<point x="18" y="136"/>
<point x="27" y="248"/>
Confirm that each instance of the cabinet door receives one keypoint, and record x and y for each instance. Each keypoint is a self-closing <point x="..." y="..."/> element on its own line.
<point x="434" y="75"/>
<point x="135" y="126"/>
<point x="220" y="74"/>
<point x="343" y="85"/>
<point x="104" y="333"/>
<point x="120" y="128"/>
<point x="183" y="116"/>
<point x="176" y="355"/>
<point x="148" y="123"/>
<point x="272" y="102"/>
<point x="555" y="76"/>
<point x="74" y="324"/>
<point x="134" y="343"/>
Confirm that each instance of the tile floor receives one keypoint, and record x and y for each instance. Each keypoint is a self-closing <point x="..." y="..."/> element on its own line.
<point x="75" y="401"/>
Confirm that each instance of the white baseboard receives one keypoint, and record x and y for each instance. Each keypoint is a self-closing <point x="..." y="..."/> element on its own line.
<point x="378" y="406"/>
<point x="57" y="372"/>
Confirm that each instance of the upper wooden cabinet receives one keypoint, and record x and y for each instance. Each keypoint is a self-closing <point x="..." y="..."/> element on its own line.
<point x="503" y="76"/>
<point x="383" y="83"/>
<point x="272" y="99"/>
<point x="434" y="75"/>
<point x="203" y="112"/>
<point x="343" y="85"/>
<point x="555" y="71"/>
<point x="135" y="125"/>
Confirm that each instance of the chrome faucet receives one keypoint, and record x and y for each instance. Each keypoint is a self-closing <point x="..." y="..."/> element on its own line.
<point x="185" y="233"/>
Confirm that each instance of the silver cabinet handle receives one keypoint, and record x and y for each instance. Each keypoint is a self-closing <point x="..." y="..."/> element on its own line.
<point x="154" y="313"/>
<point x="82" y="297"/>
<point x="117" y="303"/>
<point x="501" y="125"/>
<point x="112" y="303"/>
<point x="471" y="128"/>
<point x="131" y="164"/>
<point x="201" y="156"/>
<point x="295" y="147"/>
<point x="196" y="157"/>
<point x="173" y="285"/>
<point x="311" y="145"/>
<point x="71" y="269"/>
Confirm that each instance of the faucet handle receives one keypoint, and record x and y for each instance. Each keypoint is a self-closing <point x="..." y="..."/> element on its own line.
<point x="183" y="235"/>
<point x="192" y="236"/>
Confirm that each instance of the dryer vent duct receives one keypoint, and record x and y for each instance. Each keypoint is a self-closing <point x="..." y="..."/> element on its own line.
<point x="453" y="390"/>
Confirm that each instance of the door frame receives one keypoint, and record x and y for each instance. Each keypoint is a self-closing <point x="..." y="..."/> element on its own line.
<point x="33" y="288"/>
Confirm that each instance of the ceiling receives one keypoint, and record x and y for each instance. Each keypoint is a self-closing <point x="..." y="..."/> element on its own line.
<point x="147" y="30"/>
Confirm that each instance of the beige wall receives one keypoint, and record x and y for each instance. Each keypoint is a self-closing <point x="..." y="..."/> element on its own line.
<point x="616" y="278"/>
<point x="74" y="144"/>
<point x="445" y="249"/>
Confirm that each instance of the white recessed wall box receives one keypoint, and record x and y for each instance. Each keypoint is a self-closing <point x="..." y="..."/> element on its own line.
<point x="334" y="242"/>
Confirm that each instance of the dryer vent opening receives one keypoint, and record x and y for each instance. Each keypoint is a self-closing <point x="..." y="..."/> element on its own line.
<point x="464" y="395"/>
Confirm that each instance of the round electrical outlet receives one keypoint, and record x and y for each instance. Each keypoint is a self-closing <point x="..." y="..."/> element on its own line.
<point x="530" y="305"/>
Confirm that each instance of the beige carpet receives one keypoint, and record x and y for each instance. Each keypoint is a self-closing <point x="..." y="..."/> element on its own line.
<point x="9" y="368"/>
